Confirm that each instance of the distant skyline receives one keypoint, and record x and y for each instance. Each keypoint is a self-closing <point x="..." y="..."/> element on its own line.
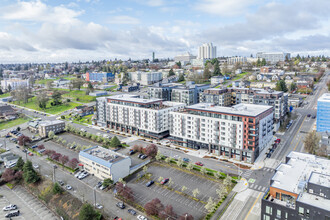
<point x="63" y="30"/>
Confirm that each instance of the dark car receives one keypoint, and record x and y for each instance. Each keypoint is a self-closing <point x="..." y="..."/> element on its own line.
<point x="120" y="205"/>
<point x="165" y="180"/>
<point x="131" y="211"/>
<point x="309" y="115"/>
<point x="17" y="146"/>
<point x="313" y="117"/>
<point x="24" y="150"/>
<point x="186" y="160"/>
<point x="12" y="214"/>
<point x="269" y="155"/>
<point x="131" y="152"/>
<point x="60" y="182"/>
<point x="150" y="183"/>
<point x="140" y="155"/>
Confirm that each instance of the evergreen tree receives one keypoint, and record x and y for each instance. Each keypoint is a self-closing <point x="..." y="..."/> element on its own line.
<point x="281" y="86"/>
<point x="217" y="71"/>
<point x="181" y="78"/>
<point x="115" y="142"/>
<point x="20" y="163"/>
<point x="171" y="73"/>
<point x="87" y="212"/>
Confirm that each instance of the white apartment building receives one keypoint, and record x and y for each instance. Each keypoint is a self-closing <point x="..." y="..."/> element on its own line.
<point x="14" y="83"/>
<point x="233" y="60"/>
<point x="207" y="51"/>
<point x="105" y="163"/>
<point x="135" y="115"/>
<point x="239" y="132"/>
<point x="145" y="78"/>
<point x="186" y="57"/>
<point x="273" y="58"/>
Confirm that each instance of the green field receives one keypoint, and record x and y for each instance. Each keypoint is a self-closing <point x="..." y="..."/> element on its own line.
<point x="44" y="81"/>
<point x="240" y="76"/>
<point x="12" y="123"/>
<point x="49" y="109"/>
<point x="5" y="95"/>
<point x="78" y="95"/>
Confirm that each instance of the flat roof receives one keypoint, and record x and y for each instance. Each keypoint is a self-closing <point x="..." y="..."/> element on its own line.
<point x="293" y="175"/>
<point x="316" y="201"/>
<point x="325" y="97"/>
<point x="133" y="98"/>
<point x="320" y="179"/>
<point x="48" y="122"/>
<point x="240" y="109"/>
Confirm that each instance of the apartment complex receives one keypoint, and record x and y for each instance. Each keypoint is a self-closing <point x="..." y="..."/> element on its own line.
<point x="184" y="58"/>
<point x="323" y="113"/>
<point x="188" y="94"/>
<point x="99" y="77"/>
<point x="207" y="51"/>
<point x="299" y="189"/>
<point x="14" y="83"/>
<point x="239" y="132"/>
<point x="44" y="127"/>
<point x="145" y="78"/>
<point x="232" y="96"/>
<point x="273" y="58"/>
<point x="135" y="115"/>
<point x="234" y="60"/>
<point x="105" y="163"/>
<point x="162" y="91"/>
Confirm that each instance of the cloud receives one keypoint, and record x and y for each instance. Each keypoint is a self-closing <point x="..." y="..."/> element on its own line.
<point x="151" y="3"/>
<point x="9" y="43"/>
<point x="123" y="19"/>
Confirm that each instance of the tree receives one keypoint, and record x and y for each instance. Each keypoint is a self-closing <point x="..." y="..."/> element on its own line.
<point x="64" y="159"/>
<point x="159" y="156"/>
<point x="179" y="162"/>
<point x="22" y="140"/>
<point x="222" y="192"/>
<point x="210" y="205"/>
<point x="73" y="163"/>
<point x="56" y="156"/>
<point x="151" y="150"/>
<point x="217" y="71"/>
<point x="77" y="83"/>
<point x="107" y="182"/>
<point x="168" y="213"/>
<point x="281" y="86"/>
<point x="190" y="166"/>
<point x="203" y="170"/>
<point x="179" y="64"/>
<point x="171" y="73"/>
<point x="90" y="87"/>
<point x="49" y="153"/>
<point x="19" y="163"/>
<point x="41" y="146"/>
<point x="195" y="192"/>
<point x="49" y="85"/>
<point x="57" y="97"/>
<point x="186" y="216"/>
<point x="217" y="174"/>
<point x="125" y="78"/>
<point x="57" y="189"/>
<point x="8" y="175"/>
<point x="293" y="86"/>
<point x="263" y="62"/>
<point x="153" y="207"/>
<point x="145" y="169"/>
<point x="29" y="174"/>
<point x="87" y="212"/>
<point x="311" y="142"/>
<point x="9" y="88"/>
<point x="115" y="142"/>
<point x="183" y="188"/>
<point x="124" y="191"/>
<point x="207" y="73"/>
<point x="168" y="160"/>
<point x="181" y="77"/>
<point x="227" y="181"/>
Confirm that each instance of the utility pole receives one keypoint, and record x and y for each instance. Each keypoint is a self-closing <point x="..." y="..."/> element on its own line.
<point x="94" y="192"/>
<point x="54" y="174"/>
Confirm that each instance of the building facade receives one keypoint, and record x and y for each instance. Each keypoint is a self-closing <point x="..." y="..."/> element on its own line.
<point x="299" y="189"/>
<point x="234" y="60"/>
<point x="161" y="91"/>
<point x="207" y="51"/>
<point x="188" y="94"/>
<point x="239" y="132"/>
<point x="99" y="77"/>
<point x="145" y="78"/>
<point x="184" y="58"/>
<point x="218" y="96"/>
<point x="105" y="163"/>
<point x="217" y="80"/>
<point x="132" y="114"/>
<point x="323" y="113"/>
<point x="273" y="58"/>
<point x="45" y="127"/>
<point x="14" y="83"/>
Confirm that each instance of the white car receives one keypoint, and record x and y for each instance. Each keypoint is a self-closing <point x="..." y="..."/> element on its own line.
<point x="77" y="174"/>
<point x="68" y="187"/>
<point x="141" y="217"/>
<point x="35" y="166"/>
<point x="98" y="206"/>
<point x="9" y="207"/>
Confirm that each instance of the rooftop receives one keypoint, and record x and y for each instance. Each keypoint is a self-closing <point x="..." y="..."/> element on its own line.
<point x="320" y="179"/>
<point x="325" y="97"/>
<point x="293" y="175"/>
<point x="240" y="109"/>
<point x="48" y="122"/>
<point x="316" y="201"/>
<point x="133" y="98"/>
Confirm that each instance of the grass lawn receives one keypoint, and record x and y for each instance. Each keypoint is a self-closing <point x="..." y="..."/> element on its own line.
<point x="240" y="76"/>
<point x="114" y="88"/>
<point x="44" y="81"/>
<point x="49" y="109"/>
<point x="80" y="94"/>
<point x="85" y="120"/>
<point x="5" y="95"/>
<point x="12" y="123"/>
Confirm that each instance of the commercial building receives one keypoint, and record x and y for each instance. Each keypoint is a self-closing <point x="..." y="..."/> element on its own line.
<point x="323" y="113"/>
<point x="45" y="127"/>
<point x="99" y="77"/>
<point x="299" y="189"/>
<point x="239" y="132"/>
<point x="188" y="94"/>
<point x="14" y="83"/>
<point x="184" y="58"/>
<point x="207" y="51"/>
<point x="234" y="60"/>
<point x="135" y="115"/>
<point x="105" y="163"/>
<point x="273" y="58"/>
<point x="145" y="78"/>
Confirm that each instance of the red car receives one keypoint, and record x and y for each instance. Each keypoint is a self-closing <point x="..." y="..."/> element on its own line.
<point x="164" y="181"/>
<point x="30" y="154"/>
<point x="199" y="164"/>
<point x="277" y="141"/>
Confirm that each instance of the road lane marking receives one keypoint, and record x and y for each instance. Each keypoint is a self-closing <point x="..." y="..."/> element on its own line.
<point x="252" y="206"/>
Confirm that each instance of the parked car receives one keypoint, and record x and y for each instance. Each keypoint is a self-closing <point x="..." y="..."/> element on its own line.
<point x="269" y="155"/>
<point x="199" y="164"/>
<point x="186" y="160"/>
<point x="24" y="150"/>
<point x="98" y="206"/>
<point x="131" y="211"/>
<point x="99" y="184"/>
<point x="141" y="217"/>
<point x="12" y="214"/>
<point x="102" y="187"/>
<point x="309" y="115"/>
<point x="34" y="146"/>
<point x="17" y="146"/>
<point x="78" y="173"/>
<point x="41" y="151"/>
<point x="35" y="166"/>
<point x="150" y="183"/>
<point x="60" y="182"/>
<point x="131" y="152"/>
<point x="9" y="207"/>
<point x="30" y="154"/>
<point x="120" y="205"/>
<point x="313" y="117"/>
<point x="165" y="180"/>
<point x="143" y="157"/>
<point x="139" y="156"/>
<point x="68" y="187"/>
<point x="277" y="141"/>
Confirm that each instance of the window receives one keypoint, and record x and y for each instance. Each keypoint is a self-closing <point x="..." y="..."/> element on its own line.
<point x="301" y="211"/>
<point x="266" y="217"/>
<point x="286" y="215"/>
<point x="278" y="213"/>
<point x="269" y="210"/>
<point x="307" y="212"/>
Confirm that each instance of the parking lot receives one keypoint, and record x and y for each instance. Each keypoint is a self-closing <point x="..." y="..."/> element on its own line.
<point x="70" y="138"/>
<point x="29" y="206"/>
<point x="180" y="203"/>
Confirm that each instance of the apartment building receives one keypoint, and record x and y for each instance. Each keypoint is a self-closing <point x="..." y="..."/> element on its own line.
<point x="99" y="77"/>
<point x="239" y="132"/>
<point x="145" y="78"/>
<point x="45" y="127"/>
<point x="105" y="163"/>
<point x="162" y="91"/>
<point x="232" y="96"/>
<point x="234" y="60"/>
<point x="135" y="115"/>
<point x="207" y="51"/>
<point x="323" y="113"/>
<point x="299" y="189"/>
<point x="188" y="94"/>
<point x="14" y="83"/>
<point x="273" y="58"/>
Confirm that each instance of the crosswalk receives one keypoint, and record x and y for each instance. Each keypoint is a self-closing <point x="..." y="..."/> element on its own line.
<point x="247" y="174"/>
<point x="258" y="187"/>
<point x="268" y="169"/>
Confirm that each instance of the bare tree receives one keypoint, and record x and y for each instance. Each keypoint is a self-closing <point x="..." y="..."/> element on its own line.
<point x="311" y="142"/>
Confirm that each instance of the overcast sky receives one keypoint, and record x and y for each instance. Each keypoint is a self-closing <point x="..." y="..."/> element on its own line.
<point x="64" y="30"/>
